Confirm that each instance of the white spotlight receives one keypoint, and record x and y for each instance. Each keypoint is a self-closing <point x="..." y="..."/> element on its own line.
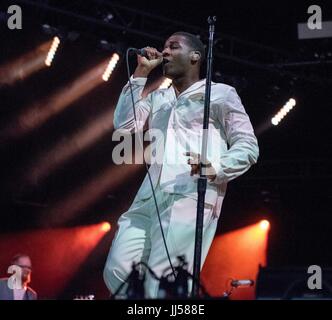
<point x="283" y="111"/>
<point x="110" y="67"/>
<point x="52" y="51"/>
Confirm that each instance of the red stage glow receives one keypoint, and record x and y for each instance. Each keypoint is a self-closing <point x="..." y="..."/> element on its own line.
<point x="236" y="255"/>
<point x="56" y="254"/>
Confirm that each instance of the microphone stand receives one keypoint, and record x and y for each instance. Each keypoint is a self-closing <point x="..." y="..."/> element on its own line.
<point x="202" y="180"/>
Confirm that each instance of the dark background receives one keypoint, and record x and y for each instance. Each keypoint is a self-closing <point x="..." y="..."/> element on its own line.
<point x="291" y="184"/>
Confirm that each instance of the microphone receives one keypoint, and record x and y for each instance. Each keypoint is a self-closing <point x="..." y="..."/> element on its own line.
<point x="242" y="283"/>
<point x="142" y="52"/>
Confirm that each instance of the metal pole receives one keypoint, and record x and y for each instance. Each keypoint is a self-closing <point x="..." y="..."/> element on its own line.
<point x="202" y="180"/>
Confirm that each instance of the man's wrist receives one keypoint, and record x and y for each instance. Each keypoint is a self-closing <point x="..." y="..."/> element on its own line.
<point x="141" y="72"/>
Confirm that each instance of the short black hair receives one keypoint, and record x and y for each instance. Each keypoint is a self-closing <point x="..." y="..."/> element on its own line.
<point x="194" y="42"/>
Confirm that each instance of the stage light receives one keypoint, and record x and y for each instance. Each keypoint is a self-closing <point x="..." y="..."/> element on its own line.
<point x="61" y="152"/>
<point x="264" y="225"/>
<point x="56" y="262"/>
<point x="52" y="51"/>
<point x="110" y="67"/>
<point x="39" y="112"/>
<point x="105" y="227"/>
<point x="86" y="195"/>
<point x="165" y="84"/>
<point x="292" y="101"/>
<point x="25" y="65"/>
<point x="283" y="111"/>
<point x="236" y="255"/>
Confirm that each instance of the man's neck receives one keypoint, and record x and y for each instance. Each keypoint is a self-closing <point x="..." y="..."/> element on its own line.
<point x="182" y="84"/>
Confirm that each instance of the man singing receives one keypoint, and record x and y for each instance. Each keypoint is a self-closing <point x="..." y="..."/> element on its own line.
<point x="177" y="112"/>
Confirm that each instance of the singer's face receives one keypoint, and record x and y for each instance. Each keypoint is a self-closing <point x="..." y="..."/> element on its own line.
<point x="176" y="55"/>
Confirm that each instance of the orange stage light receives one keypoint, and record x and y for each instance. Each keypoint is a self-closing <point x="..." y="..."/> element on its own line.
<point x="56" y="254"/>
<point x="24" y="66"/>
<point x="265" y="225"/>
<point x="235" y="255"/>
<point x="105" y="227"/>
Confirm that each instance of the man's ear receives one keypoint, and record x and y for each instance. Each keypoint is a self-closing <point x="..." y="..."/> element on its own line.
<point x="195" y="55"/>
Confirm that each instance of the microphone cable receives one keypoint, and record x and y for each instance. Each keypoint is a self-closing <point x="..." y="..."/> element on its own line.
<point x="146" y="166"/>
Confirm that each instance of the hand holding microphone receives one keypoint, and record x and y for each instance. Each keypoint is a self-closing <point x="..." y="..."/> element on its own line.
<point x="147" y="58"/>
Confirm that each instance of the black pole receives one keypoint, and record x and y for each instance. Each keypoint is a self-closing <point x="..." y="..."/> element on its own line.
<point x="202" y="180"/>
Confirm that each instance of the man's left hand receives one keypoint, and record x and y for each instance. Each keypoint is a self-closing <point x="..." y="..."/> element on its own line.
<point x="195" y="163"/>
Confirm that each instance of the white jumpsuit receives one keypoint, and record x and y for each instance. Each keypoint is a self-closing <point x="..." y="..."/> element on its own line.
<point x="232" y="149"/>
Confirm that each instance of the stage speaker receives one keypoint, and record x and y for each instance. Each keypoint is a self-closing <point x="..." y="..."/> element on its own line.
<point x="292" y="284"/>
